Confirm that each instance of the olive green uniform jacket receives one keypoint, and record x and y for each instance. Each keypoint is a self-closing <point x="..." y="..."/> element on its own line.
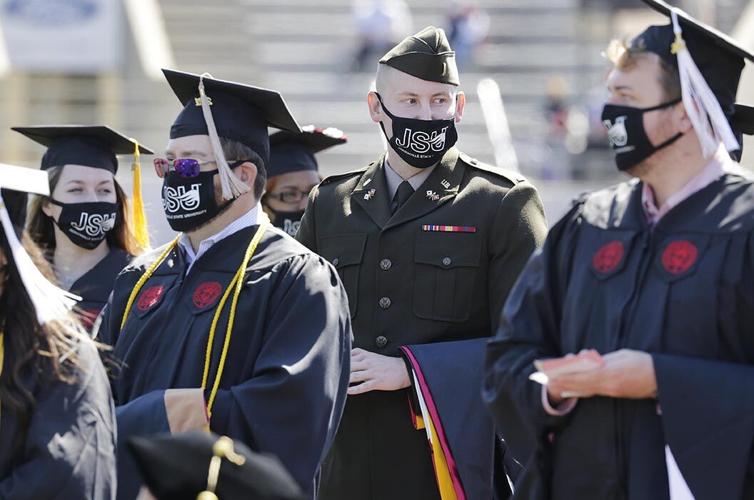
<point x="411" y="280"/>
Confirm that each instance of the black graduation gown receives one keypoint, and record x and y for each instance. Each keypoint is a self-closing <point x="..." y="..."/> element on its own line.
<point x="284" y="385"/>
<point x="69" y="448"/>
<point x="683" y="292"/>
<point x="95" y="285"/>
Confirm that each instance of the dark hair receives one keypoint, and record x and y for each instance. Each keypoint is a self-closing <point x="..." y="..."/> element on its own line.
<point x="32" y="351"/>
<point x="234" y="150"/>
<point x="624" y="56"/>
<point x="41" y="227"/>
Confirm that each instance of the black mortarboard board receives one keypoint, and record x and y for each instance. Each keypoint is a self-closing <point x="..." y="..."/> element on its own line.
<point x="719" y="58"/>
<point x="294" y="151"/>
<point x="176" y="466"/>
<point x="426" y="55"/>
<point x="15" y="183"/>
<point x="241" y="112"/>
<point x="88" y="145"/>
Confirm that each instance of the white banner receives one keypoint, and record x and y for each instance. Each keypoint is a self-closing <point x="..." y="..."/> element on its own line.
<point x="69" y="36"/>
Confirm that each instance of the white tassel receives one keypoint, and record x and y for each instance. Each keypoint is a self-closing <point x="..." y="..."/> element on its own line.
<point x="50" y="302"/>
<point x="232" y="186"/>
<point x="702" y="107"/>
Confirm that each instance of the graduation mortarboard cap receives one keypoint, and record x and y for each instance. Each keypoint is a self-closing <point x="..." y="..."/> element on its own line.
<point x="94" y="146"/>
<point x="16" y="182"/>
<point x="87" y="145"/>
<point x="718" y="57"/>
<point x="50" y="302"/>
<point x="426" y="55"/>
<point x="200" y="465"/>
<point x="294" y="151"/>
<point x="240" y="112"/>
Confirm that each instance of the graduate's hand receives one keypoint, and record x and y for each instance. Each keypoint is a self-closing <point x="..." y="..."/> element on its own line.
<point x="625" y="374"/>
<point x="375" y="372"/>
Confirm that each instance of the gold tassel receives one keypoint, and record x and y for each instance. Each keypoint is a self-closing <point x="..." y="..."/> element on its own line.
<point x="138" y="216"/>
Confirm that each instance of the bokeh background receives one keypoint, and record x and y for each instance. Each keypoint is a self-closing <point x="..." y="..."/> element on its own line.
<point x="98" y="61"/>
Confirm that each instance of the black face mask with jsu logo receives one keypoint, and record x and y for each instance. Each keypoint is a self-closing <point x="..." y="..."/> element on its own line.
<point x="86" y="224"/>
<point x="627" y="136"/>
<point x="420" y="143"/>
<point x="190" y="203"/>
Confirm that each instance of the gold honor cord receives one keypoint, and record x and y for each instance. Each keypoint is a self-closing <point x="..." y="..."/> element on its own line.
<point x="223" y="448"/>
<point x="148" y="274"/>
<point x="236" y="285"/>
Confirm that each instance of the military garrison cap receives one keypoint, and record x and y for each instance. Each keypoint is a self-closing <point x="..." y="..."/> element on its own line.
<point x="426" y="55"/>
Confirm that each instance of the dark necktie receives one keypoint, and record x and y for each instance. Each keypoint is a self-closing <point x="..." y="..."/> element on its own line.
<point x="402" y="194"/>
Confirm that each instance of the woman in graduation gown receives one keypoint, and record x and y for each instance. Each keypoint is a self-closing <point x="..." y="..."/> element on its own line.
<point x="294" y="172"/>
<point x="84" y="227"/>
<point x="57" y="420"/>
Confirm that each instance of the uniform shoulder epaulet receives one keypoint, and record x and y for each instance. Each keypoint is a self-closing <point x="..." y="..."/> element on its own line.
<point x="339" y="177"/>
<point x="510" y="175"/>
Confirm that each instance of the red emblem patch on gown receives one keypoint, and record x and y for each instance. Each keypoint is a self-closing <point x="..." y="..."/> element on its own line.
<point x="679" y="257"/>
<point x="608" y="257"/>
<point x="206" y="294"/>
<point x="150" y="297"/>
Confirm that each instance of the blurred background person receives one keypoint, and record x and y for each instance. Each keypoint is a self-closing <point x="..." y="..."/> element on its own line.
<point x="57" y="430"/>
<point x="380" y="24"/>
<point x="294" y="172"/>
<point x="468" y="26"/>
<point x="85" y="228"/>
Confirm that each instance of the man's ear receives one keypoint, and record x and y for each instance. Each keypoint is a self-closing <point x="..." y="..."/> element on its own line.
<point x="681" y="117"/>
<point x="247" y="172"/>
<point x="460" y="105"/>
<point x="375" y="110"/>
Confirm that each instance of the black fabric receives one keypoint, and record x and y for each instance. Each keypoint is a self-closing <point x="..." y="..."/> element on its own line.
<point x="680" y="291"/>
<point x="426" y="55"/>
<point x="288" y="221"/>
<point x="93" y="146"/>
<point x="294" y="151"/>
<point x="402" y="194"/>
<point x="95" y="285"/>
<point x="284" y="384"/>
<point x="16" y="204"/>
<point x="627" y="136"/>
<point x="190" y="203"/>
<point x="449" y="369"/>
<point x="241" y="112"/>
<point x="176" y="467"/>
<point x="420" y="143"/>
<point x="86" y="224"/>
<point x="68" y="448"/>
<point x="720" y="58"/>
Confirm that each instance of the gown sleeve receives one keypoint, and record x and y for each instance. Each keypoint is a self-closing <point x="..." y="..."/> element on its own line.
<point x="528" y="330"/>
<point x="708" y="405"/>
<point x="291" y="404"/>
<point x="69" y="450"/>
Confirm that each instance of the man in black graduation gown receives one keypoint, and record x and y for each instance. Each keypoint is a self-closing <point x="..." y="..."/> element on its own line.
<point x="428" y="242"/>
<point x="656" y="275"/>
<point x="234" y="324"/>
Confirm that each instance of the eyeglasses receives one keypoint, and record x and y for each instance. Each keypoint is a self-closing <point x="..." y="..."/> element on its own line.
<point x="185" y="167"/>
<point x="291" y="196"/>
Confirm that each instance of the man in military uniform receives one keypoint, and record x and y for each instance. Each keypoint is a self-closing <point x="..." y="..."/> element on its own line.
<point x="428" y="242"/>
